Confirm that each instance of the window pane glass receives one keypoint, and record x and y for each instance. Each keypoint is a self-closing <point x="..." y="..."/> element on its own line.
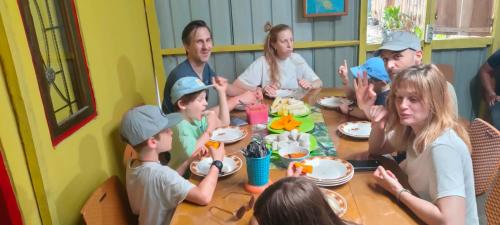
<point x="391" y="15"/>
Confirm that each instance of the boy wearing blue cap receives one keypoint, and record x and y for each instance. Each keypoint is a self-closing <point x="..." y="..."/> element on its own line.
<point x="378" y="78"/>
<point x="154" y="190"/>
<point x="188" y="96"/>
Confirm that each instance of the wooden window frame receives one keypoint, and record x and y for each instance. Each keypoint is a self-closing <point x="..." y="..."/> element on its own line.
<point x="78" y="70"/>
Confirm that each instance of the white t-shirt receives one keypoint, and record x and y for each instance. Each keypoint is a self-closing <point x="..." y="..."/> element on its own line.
<point x="154" y="191"/>
<point x="291" y="70"/>
<point x="444" y="169"/>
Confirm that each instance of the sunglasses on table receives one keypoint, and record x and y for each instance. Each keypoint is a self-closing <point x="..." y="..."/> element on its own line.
<point x="239" y="213"/>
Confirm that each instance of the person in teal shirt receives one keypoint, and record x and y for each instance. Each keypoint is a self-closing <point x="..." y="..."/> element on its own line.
<point x="188" y="96"/>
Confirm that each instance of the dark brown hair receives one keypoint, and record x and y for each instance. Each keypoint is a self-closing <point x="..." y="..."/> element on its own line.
<point x="192" y="27"/>
<point x="186" y="99"/>
<point x="270" y="52"/>
<point x="294" y="201"/>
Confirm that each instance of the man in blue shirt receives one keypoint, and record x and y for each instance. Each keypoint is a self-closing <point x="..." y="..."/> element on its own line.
<point x="197" y="41"/>
<point x="490" y="78"/>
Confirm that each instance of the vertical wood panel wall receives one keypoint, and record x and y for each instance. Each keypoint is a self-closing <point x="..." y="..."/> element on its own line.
<point x="235" y="22"/>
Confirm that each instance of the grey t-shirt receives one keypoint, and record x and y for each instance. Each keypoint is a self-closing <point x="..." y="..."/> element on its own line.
<point x="444" y="169"/>
<point x="154" y="191"/>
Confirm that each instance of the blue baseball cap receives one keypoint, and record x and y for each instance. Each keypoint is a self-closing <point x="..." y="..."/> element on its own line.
<point x="399" y="41"/>
<point x="143" y="122"/>
<point x="374" y="67"/>
<point x="186" y="85"/>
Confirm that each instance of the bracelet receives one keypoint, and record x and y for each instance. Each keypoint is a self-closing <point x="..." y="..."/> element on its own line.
<point x="400" y="192"/>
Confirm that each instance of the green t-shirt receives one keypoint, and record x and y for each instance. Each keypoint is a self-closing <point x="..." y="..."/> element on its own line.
<point x="184" y="140"/>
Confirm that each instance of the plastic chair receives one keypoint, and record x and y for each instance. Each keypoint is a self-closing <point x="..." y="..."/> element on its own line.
<point x="492" y="205"/>
<point x="485" y="141"/>
<point x="108" y="205"/>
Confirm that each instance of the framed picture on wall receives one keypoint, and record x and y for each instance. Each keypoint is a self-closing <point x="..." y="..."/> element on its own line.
<point x="314" y="8"/>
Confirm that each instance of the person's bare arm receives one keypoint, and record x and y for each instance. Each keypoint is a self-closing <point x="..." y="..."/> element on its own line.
<point x="377" y="143"/>
<point x="447" y="210"/>
<point x="202" y="194"/>
<point x="486" y="76"/>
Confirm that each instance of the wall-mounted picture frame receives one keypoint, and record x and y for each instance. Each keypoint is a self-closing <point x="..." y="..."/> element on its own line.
<point x="315" y="8"/>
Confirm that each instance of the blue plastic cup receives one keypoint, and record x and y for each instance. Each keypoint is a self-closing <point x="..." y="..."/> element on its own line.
<point x="258" y="170"/>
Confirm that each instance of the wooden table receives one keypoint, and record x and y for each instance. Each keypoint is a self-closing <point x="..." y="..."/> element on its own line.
<point x="367" y="203"/>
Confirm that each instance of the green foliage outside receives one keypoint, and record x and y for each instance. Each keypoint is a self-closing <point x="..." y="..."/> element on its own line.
<point x="395" y="20"/>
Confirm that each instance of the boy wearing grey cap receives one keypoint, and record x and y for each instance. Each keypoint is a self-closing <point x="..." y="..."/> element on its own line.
<point x="154" y="190"/>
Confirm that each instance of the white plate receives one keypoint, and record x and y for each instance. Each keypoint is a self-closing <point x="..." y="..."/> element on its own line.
<point x="228" y="135"/>
<point x="284" y="93"/>
<point x="328" y="168"/>
<point x="334" y="101"/>
<point x="359" y="129"/>
<point x="230" y="165"/>
<point x="336" y="201"/>
<point x="332" y="184"/>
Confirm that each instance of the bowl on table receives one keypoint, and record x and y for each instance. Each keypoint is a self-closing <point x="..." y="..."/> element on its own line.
<point x="292" y="153"/>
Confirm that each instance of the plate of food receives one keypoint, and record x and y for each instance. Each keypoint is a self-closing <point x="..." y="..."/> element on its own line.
<point x="228" y="134"/>
<point x="336" y="201"/>
<point x="288" y="123"/>
<point x="358" y="129"/>
<point x="285" y="106"/>
<point x="290" y="138"/>
<point x="230" y="164"/>
<point x="334" y="101"/>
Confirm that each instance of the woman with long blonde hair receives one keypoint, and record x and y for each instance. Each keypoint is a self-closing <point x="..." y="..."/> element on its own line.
<point x="279" y="67"/>
<point x="420" y="119"/>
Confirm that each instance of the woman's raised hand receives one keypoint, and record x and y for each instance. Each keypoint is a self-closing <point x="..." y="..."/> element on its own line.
<point x="365" y="95"/>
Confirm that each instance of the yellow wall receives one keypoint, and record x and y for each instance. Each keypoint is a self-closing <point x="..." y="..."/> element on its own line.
<point x="116" y="45"/>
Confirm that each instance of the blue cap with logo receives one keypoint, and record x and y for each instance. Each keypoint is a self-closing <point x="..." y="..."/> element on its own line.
<point x="143" y="122"/>
<point x="399" y="41"/>
<point x="186" y="85"/>
<point x="375" y="69"/>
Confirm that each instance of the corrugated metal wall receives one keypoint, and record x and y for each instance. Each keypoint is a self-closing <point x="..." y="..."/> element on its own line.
<point x="236" y="22"/>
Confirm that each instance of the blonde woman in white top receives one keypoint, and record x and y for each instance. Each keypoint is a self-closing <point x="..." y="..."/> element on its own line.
<point x="279" y="68"/>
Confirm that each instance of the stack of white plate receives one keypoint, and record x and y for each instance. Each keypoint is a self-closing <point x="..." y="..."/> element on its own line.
<point x="329" y="171"/>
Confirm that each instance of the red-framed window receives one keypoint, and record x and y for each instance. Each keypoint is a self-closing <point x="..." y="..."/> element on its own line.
<point x="58" y="55"/>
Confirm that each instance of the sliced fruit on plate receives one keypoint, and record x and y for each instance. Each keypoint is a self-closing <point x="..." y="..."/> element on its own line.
<point x="305" y="168"/>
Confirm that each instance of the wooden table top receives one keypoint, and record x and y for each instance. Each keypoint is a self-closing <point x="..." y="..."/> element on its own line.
<point x="367" y="203"/>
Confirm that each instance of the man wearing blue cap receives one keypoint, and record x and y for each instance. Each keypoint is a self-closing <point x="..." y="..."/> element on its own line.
<point x="377" y="75"/>
<point x="154" y="190"/>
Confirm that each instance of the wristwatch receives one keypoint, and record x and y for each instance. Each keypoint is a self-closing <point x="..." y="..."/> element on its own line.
<point x="218" y="164"/>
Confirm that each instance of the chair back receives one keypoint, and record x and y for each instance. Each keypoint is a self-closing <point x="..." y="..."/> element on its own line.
<point x="447" y="71"/>
<point x="492" y="205"/>
<point x="128" y="153"/>
<point x="108" y="205"/>
<point x="485" y="141"/>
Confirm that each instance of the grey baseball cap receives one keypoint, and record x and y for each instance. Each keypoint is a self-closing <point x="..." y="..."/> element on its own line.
<point x="399" y="41"/>
<point x="143" y="122"/>
<point x="186" y="85"/>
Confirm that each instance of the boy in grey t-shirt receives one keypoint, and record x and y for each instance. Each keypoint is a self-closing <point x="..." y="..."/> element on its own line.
<point x="155" y="190"/>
